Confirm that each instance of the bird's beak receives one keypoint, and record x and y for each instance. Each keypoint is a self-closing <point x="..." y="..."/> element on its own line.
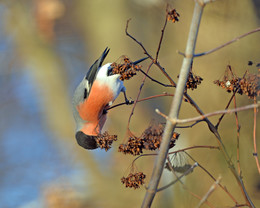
<point x="140" y="60"/>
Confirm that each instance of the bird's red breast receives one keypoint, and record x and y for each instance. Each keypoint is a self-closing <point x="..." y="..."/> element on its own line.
<point x="92" y="109"/>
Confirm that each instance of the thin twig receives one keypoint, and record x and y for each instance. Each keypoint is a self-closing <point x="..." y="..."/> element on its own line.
<point x="181" y="150"/>
<point x="189" y="126"/>
<point x="229" y="102"/>
<point x="138" y="95"/>
<point x="210" y="191"/>
<point x="144" y="99"/>
<point x="154" y="80"/>
<point x="227" y="43"/>
<point x="161" y="38"/>
<point x="139" y="43"/>
<point x="146" y="52"/>
<point x="194" y="147"/>
<point x="198" y="118"/>
<point x="165" y="73"/>
<point x="254" y="138"/>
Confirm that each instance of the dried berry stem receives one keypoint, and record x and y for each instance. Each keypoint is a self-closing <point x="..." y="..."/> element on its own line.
<point x="254" y="138"/>
<point x="227" y="43"/>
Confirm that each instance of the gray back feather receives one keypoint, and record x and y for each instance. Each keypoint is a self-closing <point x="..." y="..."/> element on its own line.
<point x="92" y="72"/>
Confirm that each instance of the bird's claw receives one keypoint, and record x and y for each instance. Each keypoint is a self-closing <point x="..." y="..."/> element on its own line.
<point x="129" y="102"/>
<point x="104" y="111"/>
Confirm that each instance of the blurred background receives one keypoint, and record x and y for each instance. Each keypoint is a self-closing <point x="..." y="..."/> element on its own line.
<point x="47" y="46"/>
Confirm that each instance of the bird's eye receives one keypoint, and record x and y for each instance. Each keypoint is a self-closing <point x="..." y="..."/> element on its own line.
<point x="110" y="71"/>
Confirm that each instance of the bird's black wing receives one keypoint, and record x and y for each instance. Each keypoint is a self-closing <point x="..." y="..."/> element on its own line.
<point x="92" y="72"/>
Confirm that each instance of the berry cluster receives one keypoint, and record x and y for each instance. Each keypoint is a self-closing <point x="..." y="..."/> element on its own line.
<point x="229" y="85"/>
<point x="193" y="81"/>
<point x="104" y="141"/>
<point x="133" y="180"/>
<point x="248" y="85"/>
<point x="134" y="146"/>
<point x="126" y="70"/>
<point x="173" y="15"/>
<point x="149" y="140"/>
<point x="152" y="137"/>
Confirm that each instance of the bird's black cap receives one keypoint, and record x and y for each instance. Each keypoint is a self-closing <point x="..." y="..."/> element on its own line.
<point x="86" y="141"/>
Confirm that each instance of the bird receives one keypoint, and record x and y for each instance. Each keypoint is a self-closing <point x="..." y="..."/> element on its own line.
<point x="92" y="97"/>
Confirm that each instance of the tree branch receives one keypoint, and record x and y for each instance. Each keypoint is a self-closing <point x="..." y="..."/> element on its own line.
<point x="175" y="107"/>
<point x="254" y="139"/>
<point x="202" y="117"/>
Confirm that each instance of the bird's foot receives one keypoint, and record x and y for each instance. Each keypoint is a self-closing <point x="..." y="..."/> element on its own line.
<point x="129" y="102"/>
<point x="104" y="111"/>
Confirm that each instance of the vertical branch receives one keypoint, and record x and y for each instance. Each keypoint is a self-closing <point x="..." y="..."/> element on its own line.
<point x="175" y="107"/>
<point x="254" y="136"/>
<point x="238" y="133"/>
